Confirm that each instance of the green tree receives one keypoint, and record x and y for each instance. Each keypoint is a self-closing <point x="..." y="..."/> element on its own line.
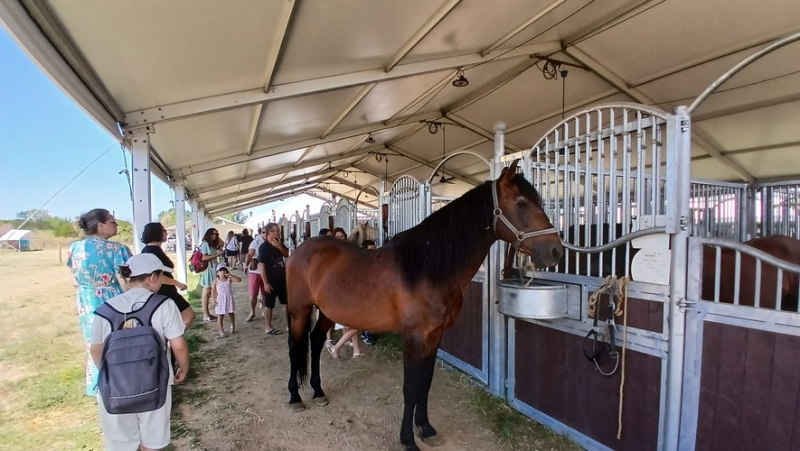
<point x="237" y="217"/>
<point x="63" y="228"/>
<point x="167" y="217"/>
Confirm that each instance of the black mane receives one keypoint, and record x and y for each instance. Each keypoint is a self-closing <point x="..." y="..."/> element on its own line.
<point x="440" y="246"/>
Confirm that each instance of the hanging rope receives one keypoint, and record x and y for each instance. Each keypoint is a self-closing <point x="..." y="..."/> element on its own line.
<point x="622" y="293"/>
<point x="127" y="172"/>
<point x="64" y="187"/>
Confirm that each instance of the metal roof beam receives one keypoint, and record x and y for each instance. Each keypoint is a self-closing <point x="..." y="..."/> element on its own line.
<point x="250" y="97"/>
<point x="426" y="28"/>
<point x="491" y="86"/>
<point x="282" y="169"/>
<point x="297" y="145"/>
<point x="712" y="148"/>
<point x="283" y="181"/>
<point x="327" y="190"/>
<point x="610" y="20"/>
<point x="279" y="36"/>
<point x="244" y="200"/>
<point x="350" y="106"/>
<point x="456" y="174"/>
<point x="474" y="128"/>
<point x="258" y="203"/>
<point x="263" y="190"/>
<point x="607" y="75"/>
<point x="430" y="91"/>
<point x="522" y="26"/>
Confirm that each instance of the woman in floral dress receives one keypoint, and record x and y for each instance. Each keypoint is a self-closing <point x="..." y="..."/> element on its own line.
<point x="94" y="261"/>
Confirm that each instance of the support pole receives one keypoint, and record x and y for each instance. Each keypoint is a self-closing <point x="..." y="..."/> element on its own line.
<point x="498" y="333"/>
<point x="381" y="200"/>
<point x="679" y="185"/>
<point x="195" y="232"/>
<point x="139" y="140"/>
<point x="180" y="231"/>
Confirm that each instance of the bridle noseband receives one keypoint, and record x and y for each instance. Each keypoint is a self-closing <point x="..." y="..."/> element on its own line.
<point x="521" y="236"/>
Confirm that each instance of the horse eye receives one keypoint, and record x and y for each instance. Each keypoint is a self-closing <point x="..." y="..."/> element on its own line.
<point x="521" y="203"/>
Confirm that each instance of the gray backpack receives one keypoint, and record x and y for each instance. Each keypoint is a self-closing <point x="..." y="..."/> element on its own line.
<point x="134" y="370"/>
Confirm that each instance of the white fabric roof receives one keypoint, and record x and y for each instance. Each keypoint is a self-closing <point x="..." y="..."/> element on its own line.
<point x="252" y="100"/>
<point x="14" y="235"/>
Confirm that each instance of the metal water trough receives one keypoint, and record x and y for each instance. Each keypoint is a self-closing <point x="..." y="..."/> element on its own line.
<point x="534" y="301"/>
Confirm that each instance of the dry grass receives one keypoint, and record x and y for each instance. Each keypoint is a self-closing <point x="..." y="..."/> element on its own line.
<point x="41" y="383"/>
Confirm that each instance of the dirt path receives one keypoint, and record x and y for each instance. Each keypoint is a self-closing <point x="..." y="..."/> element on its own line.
<point x="237" y="398"/>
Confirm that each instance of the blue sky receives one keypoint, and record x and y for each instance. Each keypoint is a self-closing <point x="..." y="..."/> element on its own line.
<point x="46" y="140"/>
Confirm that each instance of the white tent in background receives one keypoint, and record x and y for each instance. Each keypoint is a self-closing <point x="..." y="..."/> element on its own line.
<point x="20" y="240"/>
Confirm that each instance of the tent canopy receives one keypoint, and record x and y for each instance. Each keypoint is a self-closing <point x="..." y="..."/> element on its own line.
<point x="256" y="100"/>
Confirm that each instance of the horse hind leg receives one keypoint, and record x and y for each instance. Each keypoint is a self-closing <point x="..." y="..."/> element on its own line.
<point x="298" y="355"/>
<point x="317" y="342"/>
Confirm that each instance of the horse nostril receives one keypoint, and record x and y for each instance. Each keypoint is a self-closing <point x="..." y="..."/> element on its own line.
<point x="557" y="252"/>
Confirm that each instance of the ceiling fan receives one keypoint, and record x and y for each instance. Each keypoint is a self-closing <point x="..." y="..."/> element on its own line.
<point x="433" y="128"/>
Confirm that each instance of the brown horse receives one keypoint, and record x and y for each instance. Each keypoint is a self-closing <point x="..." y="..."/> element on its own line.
<point x="413" y="285"/>
<point x="782" y="247"/>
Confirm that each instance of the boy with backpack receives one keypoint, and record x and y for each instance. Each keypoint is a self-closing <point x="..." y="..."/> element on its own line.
<point x="129" y="346"/>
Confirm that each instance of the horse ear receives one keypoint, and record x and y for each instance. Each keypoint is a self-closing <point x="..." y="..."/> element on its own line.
<point x="509" y="172"/>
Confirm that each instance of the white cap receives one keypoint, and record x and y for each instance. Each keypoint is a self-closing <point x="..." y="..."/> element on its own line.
<point x="221" y="266"/>
<point x="145" y="264"/>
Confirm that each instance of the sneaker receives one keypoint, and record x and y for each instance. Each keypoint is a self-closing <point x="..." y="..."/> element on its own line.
<point x="367" y="338"/>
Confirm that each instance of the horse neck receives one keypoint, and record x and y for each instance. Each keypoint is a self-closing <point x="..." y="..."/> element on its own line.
<point x="451" y="244"/>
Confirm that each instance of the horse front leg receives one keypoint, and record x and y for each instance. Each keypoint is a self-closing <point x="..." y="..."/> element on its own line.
<point x="427" y="432"/>
<point x="412" y="386"/>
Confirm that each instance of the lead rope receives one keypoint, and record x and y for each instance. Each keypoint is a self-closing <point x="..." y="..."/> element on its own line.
<point x="622" y="293"/>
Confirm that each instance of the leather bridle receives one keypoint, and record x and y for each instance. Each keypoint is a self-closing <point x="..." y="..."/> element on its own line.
<point x="521" y="236"/>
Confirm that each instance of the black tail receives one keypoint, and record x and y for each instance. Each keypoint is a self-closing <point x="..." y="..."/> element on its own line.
<point x="299" y="351"/>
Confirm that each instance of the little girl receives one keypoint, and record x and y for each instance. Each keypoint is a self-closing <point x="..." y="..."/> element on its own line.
<point x="222" y="291"/>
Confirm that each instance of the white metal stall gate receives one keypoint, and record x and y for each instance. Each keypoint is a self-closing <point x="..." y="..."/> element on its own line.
<point x="608" y="175"/>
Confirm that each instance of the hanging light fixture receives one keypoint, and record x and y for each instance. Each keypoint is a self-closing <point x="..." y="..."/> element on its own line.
<point x="460" y="81"/>
<point x="370" y="139"/>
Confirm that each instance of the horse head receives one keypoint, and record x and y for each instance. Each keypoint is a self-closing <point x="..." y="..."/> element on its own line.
<point x="520" y="220"/>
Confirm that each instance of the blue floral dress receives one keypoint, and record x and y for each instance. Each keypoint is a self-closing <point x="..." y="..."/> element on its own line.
<point x="94" y="263"/>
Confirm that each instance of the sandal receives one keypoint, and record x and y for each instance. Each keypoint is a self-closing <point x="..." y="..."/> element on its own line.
<point x="332" y="351"/>
<point x="222" y="335"/>
<point x="250" y="317"/>
<point x="210" y="319"/>
<point x="273" y="331"/>
<point x="360" y="356"/>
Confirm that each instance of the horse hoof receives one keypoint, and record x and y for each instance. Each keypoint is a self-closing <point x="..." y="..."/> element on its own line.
<point x="433" y="440"/>
<point x="321" y="401"/>
<point x="297" y="406"/>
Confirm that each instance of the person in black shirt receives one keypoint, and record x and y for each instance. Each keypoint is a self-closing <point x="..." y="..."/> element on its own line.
<point x="244" y="244"/>
<point x="154" y="235"/>
<point x="273" y="273"/>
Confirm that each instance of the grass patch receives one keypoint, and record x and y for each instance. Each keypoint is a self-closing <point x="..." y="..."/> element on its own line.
<point x="390" y="346"/>
<point x="512" y="429"/>
<point x="54" y="389"/>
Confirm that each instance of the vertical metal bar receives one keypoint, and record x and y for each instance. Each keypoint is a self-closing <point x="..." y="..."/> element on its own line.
<point x="613" y="195"/>
<point x="757" y="299"/>
<point x="626" y="186"/>
<point x="737" y="277"/>
<point x="576" y="200"/>
<point x="717" y="271"/>
<point x="601" y="176"/>
<point x="779" y="291"/>
<point x="641" y="196"/>
<point x="588" y="208"/>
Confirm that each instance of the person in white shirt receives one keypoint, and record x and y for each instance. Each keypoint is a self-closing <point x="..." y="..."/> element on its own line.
<point x="256" y="291"/>
<point x="150" y="430"/>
